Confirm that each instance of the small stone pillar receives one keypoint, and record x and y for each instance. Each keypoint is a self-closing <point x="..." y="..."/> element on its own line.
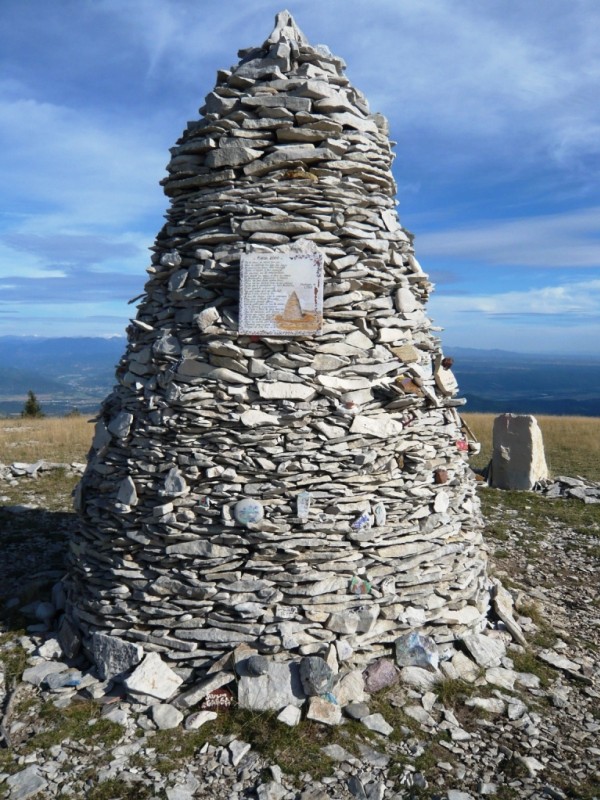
<point x="518" y="460"/>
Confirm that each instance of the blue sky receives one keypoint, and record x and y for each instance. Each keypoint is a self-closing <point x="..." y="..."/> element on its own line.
<point x="495" y="106"/>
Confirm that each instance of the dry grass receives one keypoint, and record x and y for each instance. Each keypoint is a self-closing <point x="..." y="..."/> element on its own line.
<point x="572" y="444"/>
<point x="63" y="439"/>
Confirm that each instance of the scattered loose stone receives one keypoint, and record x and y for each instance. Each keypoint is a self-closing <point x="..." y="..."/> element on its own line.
<point x="166" y="716"/>
<point x="290" y="715"/>
<point x="376" y="722"/>
<point x="322" y="710"/>
<point x="238" y="750"/>
<point x="486" y="652"/>
<point x="490" y="704"/>
<point x="154" y="678"/>
<point x="198" y="719"/>
<point x="26" y="783"/>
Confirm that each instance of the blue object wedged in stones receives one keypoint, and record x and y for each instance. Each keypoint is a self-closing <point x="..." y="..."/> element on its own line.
<point x="415" y="650"/>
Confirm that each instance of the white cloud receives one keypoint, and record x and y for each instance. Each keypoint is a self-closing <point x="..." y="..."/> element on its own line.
<point x="561" y="318"/>
<point x="554" y="240"/>
<point x="573" y="299"/>
<point x="82" y="171"/>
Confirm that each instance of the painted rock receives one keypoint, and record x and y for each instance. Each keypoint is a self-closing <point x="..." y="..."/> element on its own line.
<point x="248" y="512"/>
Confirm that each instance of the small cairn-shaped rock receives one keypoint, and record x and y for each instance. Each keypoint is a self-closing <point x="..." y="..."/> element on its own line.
<point x="280" y="491"/>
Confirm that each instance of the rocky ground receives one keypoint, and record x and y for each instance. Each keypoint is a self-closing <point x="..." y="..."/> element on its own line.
<point x="526" y="729"/>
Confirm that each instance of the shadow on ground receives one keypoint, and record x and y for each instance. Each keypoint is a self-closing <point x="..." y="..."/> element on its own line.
<point x="33" y="548"/>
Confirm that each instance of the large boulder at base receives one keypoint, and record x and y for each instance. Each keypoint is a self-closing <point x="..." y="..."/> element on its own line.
<point x="518" y="459"/>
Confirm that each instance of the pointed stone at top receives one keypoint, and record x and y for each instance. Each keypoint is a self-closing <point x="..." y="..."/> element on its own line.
<point x="286" y="30"/>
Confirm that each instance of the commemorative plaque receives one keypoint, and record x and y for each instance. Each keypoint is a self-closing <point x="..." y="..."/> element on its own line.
<point x="281" y="294"/>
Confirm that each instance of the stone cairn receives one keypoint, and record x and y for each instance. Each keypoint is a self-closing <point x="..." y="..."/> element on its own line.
<point x="346" y="446"/>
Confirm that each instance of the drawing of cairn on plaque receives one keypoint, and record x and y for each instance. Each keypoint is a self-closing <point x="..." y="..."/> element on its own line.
<point x="282" y="293"/>
<point x="302" y="310"/>
<point x="295" y="317"/>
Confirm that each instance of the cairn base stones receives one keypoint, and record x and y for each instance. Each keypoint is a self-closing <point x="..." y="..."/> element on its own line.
<point x="280" y="492"/>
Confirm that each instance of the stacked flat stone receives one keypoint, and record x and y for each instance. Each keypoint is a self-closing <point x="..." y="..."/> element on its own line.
<point x="350" y="439"/>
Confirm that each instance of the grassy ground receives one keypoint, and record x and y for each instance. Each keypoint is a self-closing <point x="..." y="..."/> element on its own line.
<point x="63" y="439"/>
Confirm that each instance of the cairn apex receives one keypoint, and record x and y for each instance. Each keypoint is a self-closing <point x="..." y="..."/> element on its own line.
<point x="285" y="29"/>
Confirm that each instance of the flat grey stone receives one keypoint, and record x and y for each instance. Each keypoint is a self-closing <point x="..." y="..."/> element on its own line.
<point x="199" y="691"/>
<point x="231" y="154"/>
<point x="114" y="656"/>
<point x="560" y="662"/>
<point x="419" y="678"/>
<point x="166" y="716"/>
<point x="337" y="753"/>
<point x="499" y="676"/>
<point x="154" y="678"/>
<point x="279" y="687"/>
<point x="486" y="652"/>
<point x="26" y="783"/>
<point x="36" y="674"/>
<point x="376" y="722"/>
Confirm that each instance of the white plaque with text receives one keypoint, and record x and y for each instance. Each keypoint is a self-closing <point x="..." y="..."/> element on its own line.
<point x="281" y="294"/>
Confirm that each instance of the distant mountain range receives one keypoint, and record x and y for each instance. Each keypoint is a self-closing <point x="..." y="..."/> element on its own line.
<point x="68" y="373"/>
<point x="64" y="373"/>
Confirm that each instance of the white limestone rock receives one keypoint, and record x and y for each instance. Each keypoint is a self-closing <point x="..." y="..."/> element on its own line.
<point x="278" y="390"/>
<point x="277" y="688"/>
<point x="252" y="418"/>
<point x="154" y="678"/>
<point x="518" y="458"/>
<point x="290" y="715"/>
<point x="166" y="716"/>
<point x="486" y="652"/>
<point x="26" y="783"/>
<point x="380" y="426"/>
<point x="199" y="718"/>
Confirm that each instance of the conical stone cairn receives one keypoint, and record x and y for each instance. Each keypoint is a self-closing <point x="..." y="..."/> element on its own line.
<point x="284" y="490"/>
